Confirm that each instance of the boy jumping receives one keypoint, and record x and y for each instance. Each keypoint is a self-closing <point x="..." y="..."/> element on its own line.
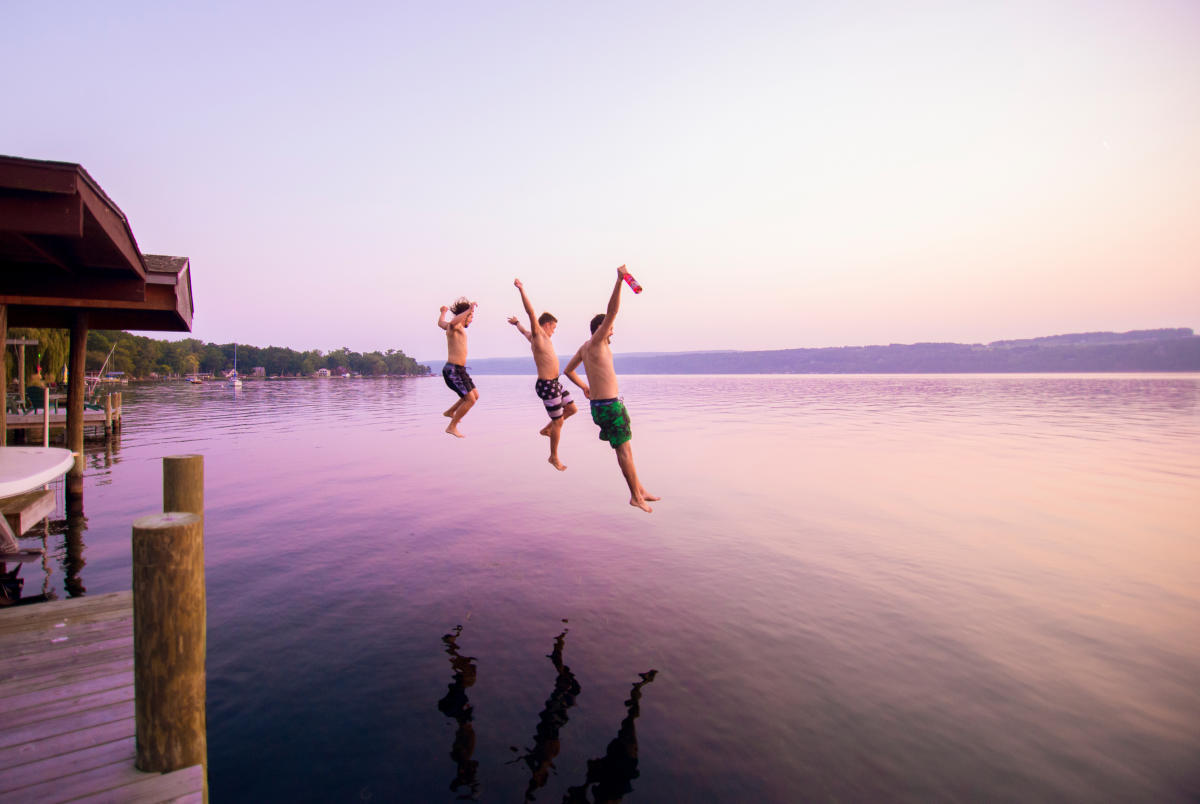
<point x="455" y="370"/>
<point x="608" y="411"/>
<point x="557" y="399"/>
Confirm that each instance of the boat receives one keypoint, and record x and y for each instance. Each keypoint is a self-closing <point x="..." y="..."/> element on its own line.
<point x="195" y="380"/>
<point x="234" y="381"/>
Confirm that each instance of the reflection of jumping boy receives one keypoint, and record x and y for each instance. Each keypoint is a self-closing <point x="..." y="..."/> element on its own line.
<point x="548" y="388"/>
<point x="456" y="706"/>
<point x="455" y="370"/>
<point x="608" y="410"/>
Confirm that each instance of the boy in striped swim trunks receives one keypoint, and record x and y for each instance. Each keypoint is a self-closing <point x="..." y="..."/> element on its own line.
<point x="548" y="388"/>
<point x="455" y="371"/>
<point x="608" y="411"/>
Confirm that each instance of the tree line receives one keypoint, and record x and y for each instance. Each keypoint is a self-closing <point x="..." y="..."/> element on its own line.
<point x="139" y="357"/>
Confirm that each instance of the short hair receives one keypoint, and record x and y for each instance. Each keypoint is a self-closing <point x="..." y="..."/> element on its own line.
<point x="461" y="305"/>
<point x="597" y="320"/>
<point x="546" y="318"/>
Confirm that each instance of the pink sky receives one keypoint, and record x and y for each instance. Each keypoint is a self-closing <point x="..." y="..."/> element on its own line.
<point x="777" y="174"/>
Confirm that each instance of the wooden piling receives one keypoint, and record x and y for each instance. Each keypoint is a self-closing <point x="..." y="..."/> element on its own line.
<point x="169" y="641"/>
<point x="108" y="414"/>
<point x="45" y="415"/>
<point x="183" y="483"/>
<point x="77" y="360"/>
<point x="4" y="377"/>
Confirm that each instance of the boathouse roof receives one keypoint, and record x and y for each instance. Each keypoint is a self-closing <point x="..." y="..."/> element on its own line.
<point x="66" y="247"/>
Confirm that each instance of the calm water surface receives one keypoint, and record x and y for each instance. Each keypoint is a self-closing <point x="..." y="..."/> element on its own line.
<point x="854" y="588"/>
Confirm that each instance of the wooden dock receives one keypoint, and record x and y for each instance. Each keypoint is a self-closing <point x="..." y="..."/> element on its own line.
<point x="100" y="421"/>
<point x="67" y="707"/>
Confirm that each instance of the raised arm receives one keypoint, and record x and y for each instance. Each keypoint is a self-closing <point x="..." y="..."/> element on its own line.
<point x="528" y="306"/>
<point x="442" y="317"/>
<point x="614" y="303"/>
<point x="516" y="322"/>
<point x="573" y="364"/>
<point x="461" y="317"/>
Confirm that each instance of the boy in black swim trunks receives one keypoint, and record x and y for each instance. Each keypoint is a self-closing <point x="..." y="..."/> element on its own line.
<point x="557" y="399"/>
<point x="455" y="370"/>
<point x="608" y="410"/>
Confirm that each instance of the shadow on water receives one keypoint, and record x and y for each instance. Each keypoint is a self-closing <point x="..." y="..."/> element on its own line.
<point x="609" y="777"/>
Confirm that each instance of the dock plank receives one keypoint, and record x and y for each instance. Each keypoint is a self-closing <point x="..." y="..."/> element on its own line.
<point x="115" y="782"/>
<point x="42" y="770"/>
<point x="112" y="605"/>
<point x="151" y="788"/>
<point x="49" y="694"/>
<point x="54" y="726"/>
<point x="67" y="707"/>
<point x="66" y="656"/>
<point x="53" y="677"/>
<point x="29" y="642"/>
<point x="63" y="744"/>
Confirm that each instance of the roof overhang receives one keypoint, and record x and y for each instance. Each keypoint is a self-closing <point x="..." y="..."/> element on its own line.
<point x="66" y="247"/>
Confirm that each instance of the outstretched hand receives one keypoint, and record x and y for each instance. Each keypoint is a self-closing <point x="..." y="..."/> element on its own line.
<point x="621" y="271"/>
<point x="518" y="285"/>
<point x="445" y="309"/>
<point x="512" y="319"/>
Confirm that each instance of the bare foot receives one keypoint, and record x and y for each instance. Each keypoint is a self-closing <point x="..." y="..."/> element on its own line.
<point x="452" y="430"/>
<point x="650" y="497"/>
<point x="562" y="467"/>
<point x="544" y="431"/>
<point x="636" y="503"/>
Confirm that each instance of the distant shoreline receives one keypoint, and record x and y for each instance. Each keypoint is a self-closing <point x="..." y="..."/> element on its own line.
<point x="1160" y="350"/>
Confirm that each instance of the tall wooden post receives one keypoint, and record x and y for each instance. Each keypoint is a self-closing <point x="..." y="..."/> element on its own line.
<point x="75" y="390"/>
<point x="183" y="483"/>
<point x="4" y="375"/>
<point x="169" y="623"/>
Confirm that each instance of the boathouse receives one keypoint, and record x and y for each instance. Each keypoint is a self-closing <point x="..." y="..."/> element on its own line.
<point x="69" y="260"/>
<point x="82" y="672"/>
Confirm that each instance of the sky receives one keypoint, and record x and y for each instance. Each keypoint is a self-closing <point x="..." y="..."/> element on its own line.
<point x="775" y="174"/>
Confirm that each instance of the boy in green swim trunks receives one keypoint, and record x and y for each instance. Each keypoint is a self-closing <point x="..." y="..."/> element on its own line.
<point x="608" y="410"/>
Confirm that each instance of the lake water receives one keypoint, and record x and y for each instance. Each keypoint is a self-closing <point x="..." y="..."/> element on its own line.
<point x="854" y="588"/>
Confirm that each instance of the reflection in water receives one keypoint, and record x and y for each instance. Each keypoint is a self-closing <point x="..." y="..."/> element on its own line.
<point x="456" y="706"/>
<point x="102" y="457"/>
<point x="11" y="582"/>
<point x="73" y="561"/>
<point x="611" y="776"/>
<point x="552" y="718"/>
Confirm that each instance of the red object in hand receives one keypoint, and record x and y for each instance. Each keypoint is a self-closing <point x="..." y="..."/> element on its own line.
<point x="633" y="283"/>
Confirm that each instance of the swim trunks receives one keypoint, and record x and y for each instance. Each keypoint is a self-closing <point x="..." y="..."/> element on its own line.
<point x="613" y="419"/>
<point x="553" y="395"/>
<point x="457" y="379"/>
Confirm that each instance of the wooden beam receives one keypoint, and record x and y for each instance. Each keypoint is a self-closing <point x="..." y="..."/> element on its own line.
<point x="46" y="249"/>
<point x="60" y="177"/>
<point x="53" y="290"/>
<point x="4" y="377"/>
<point x="45" y="214"/>
<point x="75" y="389"/>
<point x="111" y="221"/>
